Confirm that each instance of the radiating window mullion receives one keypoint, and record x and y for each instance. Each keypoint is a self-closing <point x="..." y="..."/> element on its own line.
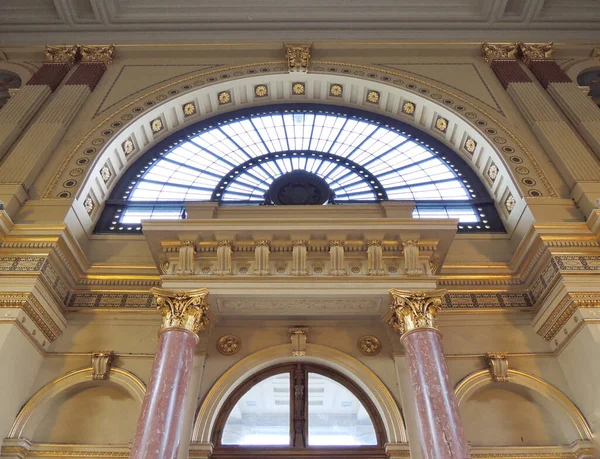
<point x="338" y="135"/>
<point x="259" y="135"/>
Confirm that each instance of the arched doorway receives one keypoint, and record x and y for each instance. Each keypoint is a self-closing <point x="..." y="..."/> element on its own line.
<point x="298" y="410"/>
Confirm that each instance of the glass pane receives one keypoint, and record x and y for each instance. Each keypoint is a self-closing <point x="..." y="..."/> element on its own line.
<point x="262" y="415"/>
<point x="335" y="416"/>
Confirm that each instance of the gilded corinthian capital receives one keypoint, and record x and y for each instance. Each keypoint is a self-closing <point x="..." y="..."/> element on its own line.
<point x="504" y="51"/>
<point x="536" y="51"/>
<point x="98" y="53"/>
<point x="183" y="310"/>
<point x="413" y="310"/>
<point x="64" y="54"/>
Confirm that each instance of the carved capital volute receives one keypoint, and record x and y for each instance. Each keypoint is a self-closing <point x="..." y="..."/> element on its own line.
<point x="413" y="310"/>
<point x="182" y="310"/>
<point x="499" y="51"/>
<point x="374" y="242"/>
<point x="535" y="51"/>
<point x="498" y="363"/>
<point x="298" y="57"/>
<point x="98" y="53"/>
<point x="64" y="54"/>
<point x="300" y="243"/>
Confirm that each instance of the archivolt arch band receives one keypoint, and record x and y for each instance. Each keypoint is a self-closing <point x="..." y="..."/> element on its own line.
<point x="323" y="355"/>
<point x="32" y="413"/>
<point x="482" y="378"/>
<point x="100" y="160"/>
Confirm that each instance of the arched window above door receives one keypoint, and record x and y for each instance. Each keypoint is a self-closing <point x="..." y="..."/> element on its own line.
<point x="298" y="407"/>
<point x="358" y="156"/>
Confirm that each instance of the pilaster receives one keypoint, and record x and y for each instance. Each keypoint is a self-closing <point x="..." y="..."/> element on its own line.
<point x="20" y="108"/>
<point x="33" y="149"/>
<point x="575" y="162"/>
<point x="583" y="113"/>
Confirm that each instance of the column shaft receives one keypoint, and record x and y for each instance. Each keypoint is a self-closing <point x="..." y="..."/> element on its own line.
<point x="440" y="426"/>
<point x="160" y="424"/>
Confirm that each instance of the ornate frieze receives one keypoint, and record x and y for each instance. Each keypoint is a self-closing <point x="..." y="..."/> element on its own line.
<point x="182" y="310"/>
<point x="413" y="310"/>
<point x="43" y="321"/>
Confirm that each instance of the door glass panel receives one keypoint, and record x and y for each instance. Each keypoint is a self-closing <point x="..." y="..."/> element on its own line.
<point x="335" y="416"/>
<point x="262" y="415"/>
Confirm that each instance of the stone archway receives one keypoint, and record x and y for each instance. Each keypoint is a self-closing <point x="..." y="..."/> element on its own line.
<point x="325" y="356"/>
<point x="504" y="165"/>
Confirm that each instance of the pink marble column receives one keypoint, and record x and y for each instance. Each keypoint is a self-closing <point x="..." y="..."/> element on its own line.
<point x="440" y="427"/>
<point x="159" y="427"/>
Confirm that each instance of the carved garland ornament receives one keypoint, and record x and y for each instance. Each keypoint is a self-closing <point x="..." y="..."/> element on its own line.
<point x="184" y="310"/>
<point x="414" y="310"/>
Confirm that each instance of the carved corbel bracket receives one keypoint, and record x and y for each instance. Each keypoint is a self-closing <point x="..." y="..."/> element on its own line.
<point x="101" y="364"/>
<point x="298" y="56"/>
<point x="498" y="364"/>
<point x="298" y="335"/>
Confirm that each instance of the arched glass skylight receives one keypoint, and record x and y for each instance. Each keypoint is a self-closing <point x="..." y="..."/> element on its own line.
<point x="360" y="159"/>
<point x="234" y="158"/>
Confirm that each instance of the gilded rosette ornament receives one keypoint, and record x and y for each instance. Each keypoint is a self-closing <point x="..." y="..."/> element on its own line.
<point x="98" y="53"/>
<point x="501" y="51"/>
<point x="298" y="57"/>
<point x="182" y="310"/>
<point x="414" y="310"/>
<point x="61" y="54"/>
<point x="536" y="51"/>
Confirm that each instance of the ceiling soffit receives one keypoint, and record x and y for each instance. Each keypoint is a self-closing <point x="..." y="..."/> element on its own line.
<point x="130" y="21"/>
